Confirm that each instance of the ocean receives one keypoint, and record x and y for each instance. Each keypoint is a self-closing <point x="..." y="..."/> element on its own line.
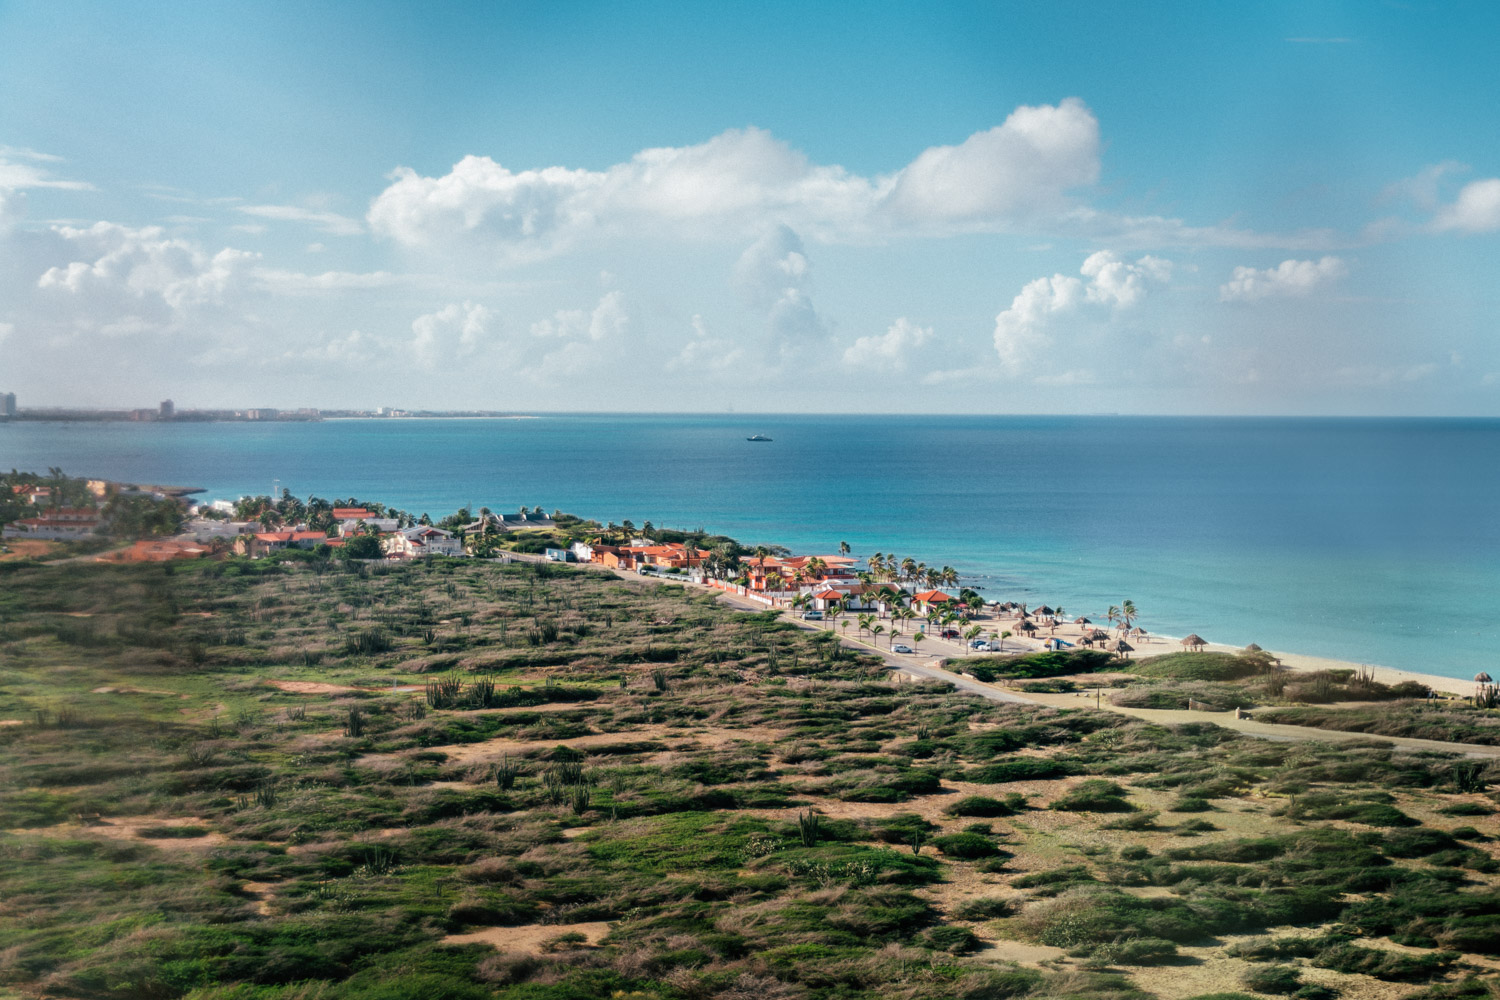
<point x="1373" y="540"/>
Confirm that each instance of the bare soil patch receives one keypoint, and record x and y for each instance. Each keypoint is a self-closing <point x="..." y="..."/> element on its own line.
<point x="529" y="938"/>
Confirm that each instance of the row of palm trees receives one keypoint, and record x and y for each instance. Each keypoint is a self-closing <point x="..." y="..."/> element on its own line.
<point x="890" y="569"/>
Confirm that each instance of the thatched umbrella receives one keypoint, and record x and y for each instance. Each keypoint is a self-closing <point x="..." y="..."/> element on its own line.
<point x="1138" y="631"/>
<point x="1098" y="635"/>
<point x="1120" y="646"/>
<point x="1483" y="678"/>
<point x="1043" y="612"/>
<point x="1082" y="621"/>
<point x="1253" y="648"/>
<point x="1026" y="626"/>
<point x="1195" y="641"/>
<point x="1085" y="641"/>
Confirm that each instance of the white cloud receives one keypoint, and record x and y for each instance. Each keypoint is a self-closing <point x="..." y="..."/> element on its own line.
<point x="889" y="350"/>
<point x="141" y="274"/>
<point x="1290" y="278"/>
<point x="773" y="276"/>
<point x="1476" y="210"/>
<point x="20" y="176"/>
<point x="1422" y="190"/>
<point x="738" y="180"/>
<point x="706" y="354"/>
<point x="1021" y="330"/>
<point x="328" y="222"/>
<point x="609" y="318"/>
<point x="456" y="331"/>
<point x="295" y="281"/>
<point x="1011" y="170"/>
<point x="1114" y="282"/>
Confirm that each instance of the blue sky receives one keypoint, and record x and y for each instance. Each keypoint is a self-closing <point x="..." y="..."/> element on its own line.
<point x="1180" y="208"/>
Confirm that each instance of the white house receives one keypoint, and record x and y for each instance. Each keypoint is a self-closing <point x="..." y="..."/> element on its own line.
<point x="381" y="524"/>
<point x="421" y="540"/>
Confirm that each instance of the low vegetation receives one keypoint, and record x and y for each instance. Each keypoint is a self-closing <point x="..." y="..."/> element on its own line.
<point x="289" y="778"/>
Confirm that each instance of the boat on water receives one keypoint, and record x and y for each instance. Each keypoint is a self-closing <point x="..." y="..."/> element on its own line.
<point x="757" y="437"/>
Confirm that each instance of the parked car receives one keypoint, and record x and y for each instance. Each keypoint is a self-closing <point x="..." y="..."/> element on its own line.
<point x="978" y="643"/>
<point x="812" y="616"/>
<point x="950" y="633"/>
<point x="902" y="647"/>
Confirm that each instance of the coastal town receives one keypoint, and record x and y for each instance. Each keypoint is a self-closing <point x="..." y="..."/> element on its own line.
<point x="897" y="603"/>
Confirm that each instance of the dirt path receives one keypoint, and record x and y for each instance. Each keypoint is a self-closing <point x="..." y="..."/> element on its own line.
<point x="530" y="938"/>
<point x="1264" y="730"/>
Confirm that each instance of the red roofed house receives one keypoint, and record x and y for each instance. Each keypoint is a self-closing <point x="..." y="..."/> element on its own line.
<point x="929" y="601"/>
<point x="351" y="513"/>
<point x="61" y="525"/>
<point x="263" y="543"/>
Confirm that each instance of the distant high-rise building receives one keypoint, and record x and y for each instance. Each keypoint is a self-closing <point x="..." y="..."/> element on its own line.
<point x="8" y="404"/>
<point x="167" y="409"/>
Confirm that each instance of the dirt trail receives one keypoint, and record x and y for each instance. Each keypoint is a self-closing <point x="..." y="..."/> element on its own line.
<point x="529" y="938"/>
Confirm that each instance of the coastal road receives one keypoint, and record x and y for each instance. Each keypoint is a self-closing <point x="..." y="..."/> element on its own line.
<point x="908" y="664"/>
<point x="1247" y="726"/>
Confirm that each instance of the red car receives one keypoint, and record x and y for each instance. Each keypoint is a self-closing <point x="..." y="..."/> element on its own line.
<point x="950" y="633"/>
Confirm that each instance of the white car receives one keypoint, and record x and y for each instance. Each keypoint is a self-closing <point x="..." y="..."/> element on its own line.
<point x="902" y="647"/>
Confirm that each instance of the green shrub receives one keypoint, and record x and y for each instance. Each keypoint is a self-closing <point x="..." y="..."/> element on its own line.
<point x="1201" y="666"/>
<point x="954" y="940"/>
<point x="979" y="805"/>
<point x="966" y="846"/>
<point x="1094" y="795"/>
<point x="1280" y="979"/>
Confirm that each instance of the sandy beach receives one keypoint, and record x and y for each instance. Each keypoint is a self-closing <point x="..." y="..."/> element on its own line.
<point x="1157" y="645"/>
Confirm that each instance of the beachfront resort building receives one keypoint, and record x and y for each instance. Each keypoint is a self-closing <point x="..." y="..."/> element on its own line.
<point x="63" y="524"/>
<point x="421" y="540"/>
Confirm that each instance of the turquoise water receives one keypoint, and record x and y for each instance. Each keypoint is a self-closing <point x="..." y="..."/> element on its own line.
<point x="1368" y="540"/>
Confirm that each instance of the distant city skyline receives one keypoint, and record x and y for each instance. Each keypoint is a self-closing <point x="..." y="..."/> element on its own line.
<point x="996" y="208"/>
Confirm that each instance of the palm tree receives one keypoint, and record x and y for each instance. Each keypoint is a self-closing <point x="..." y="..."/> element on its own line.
<point x="876" y="632"/>
<point x="1128" y="613"/>
<point x="1113" y="613"/>
<point x="973" y="633"/>
<point x="950" y="576"/>
<point x="916" y="640"/>
<point x="877" y="561"/>
<point x="908" y="568"/>
<point x="843" y="548"/>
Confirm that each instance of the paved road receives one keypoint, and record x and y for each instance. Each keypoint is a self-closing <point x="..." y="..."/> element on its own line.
<point x="1247" y="726"/>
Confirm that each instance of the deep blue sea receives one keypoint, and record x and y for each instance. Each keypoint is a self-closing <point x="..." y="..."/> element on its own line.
<point x="1362" y="539"/>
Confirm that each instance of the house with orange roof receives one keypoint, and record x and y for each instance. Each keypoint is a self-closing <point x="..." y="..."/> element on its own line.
<point x="351" y="513"/>
<point x="929" y="601"/>
<point x="263" y="543"/>
<point x="61" y="525"/>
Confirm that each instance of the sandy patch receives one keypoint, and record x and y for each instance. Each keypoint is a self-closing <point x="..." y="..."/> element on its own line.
<point x="311" y="687"/>
<point x="128" y="690"/>
<point x="12" y="722"/>
<point x="129" y="828"/>
<point x="1019" y="952"/>
<point x="260" y="893"/>
<point x="529" y="938"/>
<point x="684" y="740"/>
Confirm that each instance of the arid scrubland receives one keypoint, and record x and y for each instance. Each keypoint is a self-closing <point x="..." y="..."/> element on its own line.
<point x="310" y="779"/>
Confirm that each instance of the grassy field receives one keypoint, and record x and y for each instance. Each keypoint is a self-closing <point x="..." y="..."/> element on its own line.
<point x="309" y="779"/>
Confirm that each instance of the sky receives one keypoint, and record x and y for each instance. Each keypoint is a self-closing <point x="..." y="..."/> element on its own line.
<point x="1175" y="208"/>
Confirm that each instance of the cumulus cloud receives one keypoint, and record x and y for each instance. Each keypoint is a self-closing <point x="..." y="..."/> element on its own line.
<point x="890" y="350"/>
<point x="773" y="276"/>
<point x="1021" y="331"/>
<point x="455" y="332"/>
<point x="1476" y="210"/>
<point x="609" y="318"/>
<point x="142" y="274"/>
<point x="740" y="178"/>
<point x="1289" y="279"/>
<point x="328" y="222"/>
<point x="1029" y="161"/>
<point x="707" y="354"/>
